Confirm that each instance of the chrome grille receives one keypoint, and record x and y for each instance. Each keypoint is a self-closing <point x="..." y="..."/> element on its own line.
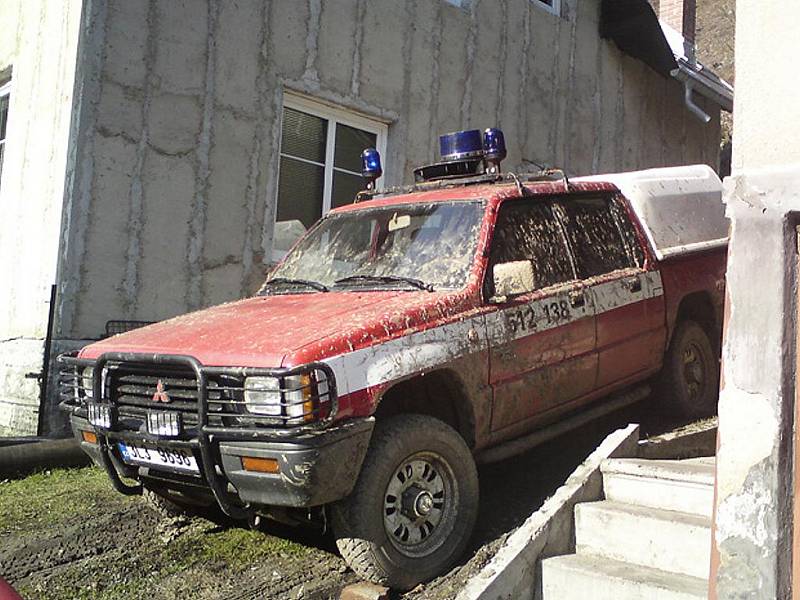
<point x="135" y="390"/>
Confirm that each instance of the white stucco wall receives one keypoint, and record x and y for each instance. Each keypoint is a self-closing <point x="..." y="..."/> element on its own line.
<point x="39" y="47"/>
<point x="756" y="483"/>
<point x="767" y="130"/>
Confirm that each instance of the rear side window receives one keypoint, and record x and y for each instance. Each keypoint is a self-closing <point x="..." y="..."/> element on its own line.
<point x="528" y="230"/>
<point x="595" y="237"/>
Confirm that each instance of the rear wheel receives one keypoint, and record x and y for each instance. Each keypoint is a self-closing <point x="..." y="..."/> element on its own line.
<point x="690" y="379"/>
<point x="413" y="508"/>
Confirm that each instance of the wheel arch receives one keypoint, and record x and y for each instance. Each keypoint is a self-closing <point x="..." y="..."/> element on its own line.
<point x="699" y="307"/>
<point x="440" y="394"/>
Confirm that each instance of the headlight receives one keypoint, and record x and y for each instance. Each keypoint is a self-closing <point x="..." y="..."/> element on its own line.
<point x="262" y="395"/>
<point x="87" y="381"/>
<point x="290" y="398"/>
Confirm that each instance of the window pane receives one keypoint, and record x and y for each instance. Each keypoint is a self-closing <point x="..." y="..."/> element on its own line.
<point x="3" y="116"/>
<point x="350" y="143"/>
<point x="433" y="242"/>
<point x="527" y="230"/>
<point x="628" y="233"/>
<point x="300" y="191"/>
<point x="345" y="188"/>
<point x="304" y="135"/>
<point x="594" y="236"/>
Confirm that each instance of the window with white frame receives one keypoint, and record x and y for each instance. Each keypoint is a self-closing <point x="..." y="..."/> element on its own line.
<point x="551" y="6"/>
<point x="320" y="162"/>
<point x="5" y="97"/>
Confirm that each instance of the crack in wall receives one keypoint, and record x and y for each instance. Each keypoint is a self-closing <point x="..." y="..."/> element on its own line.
<point x="256" y="157"/>
<point x="80" y="171"/>
<point x="355" y="79"/>
<point x="619" y="121"/>
<point x="433" y="109"/>
<point x="597" y="112"/>
<point x="472" y="36"/>
<point x="133" y="251"/>
<point x="312" y="40"/>
<point x="567" y="109"/>
<point x="402" y="155"/>
<point x="501" y="67"/>
<point x="197" y="224"/>
<point x="522" y="120"/>
<point x="554" y="83"/>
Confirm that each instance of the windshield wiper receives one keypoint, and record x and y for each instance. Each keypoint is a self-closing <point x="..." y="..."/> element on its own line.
<point x="306" y="282"/>
<point x="417" y="283"/>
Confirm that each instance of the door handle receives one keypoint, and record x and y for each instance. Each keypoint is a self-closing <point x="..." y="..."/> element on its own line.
<point x="632" y="284"/>
<point x="577" y="299"/>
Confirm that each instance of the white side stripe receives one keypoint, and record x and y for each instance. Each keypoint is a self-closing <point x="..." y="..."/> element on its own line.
<point x="424" y="350"/>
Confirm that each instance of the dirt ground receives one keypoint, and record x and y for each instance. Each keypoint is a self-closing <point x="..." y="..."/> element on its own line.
<point x="67" y="534"/>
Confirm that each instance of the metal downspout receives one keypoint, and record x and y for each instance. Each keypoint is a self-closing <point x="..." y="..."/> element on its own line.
<point x="691" y="105"/>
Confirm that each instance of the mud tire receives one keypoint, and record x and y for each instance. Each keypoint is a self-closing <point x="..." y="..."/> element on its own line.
<point x="163" y="506"/>
<point x="358" y="521"/>
<point x="689" y="382"/>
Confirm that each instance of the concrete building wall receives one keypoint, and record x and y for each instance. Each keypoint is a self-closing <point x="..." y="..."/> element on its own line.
<point x="37" y="51"/>
<point x="763" y="118"/>
<point x="757" y="525"/>
<point x="179" y="208"/>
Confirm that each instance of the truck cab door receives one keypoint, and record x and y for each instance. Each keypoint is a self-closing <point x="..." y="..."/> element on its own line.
<point x="541" y="343"/>
<point x="627" y="299"/>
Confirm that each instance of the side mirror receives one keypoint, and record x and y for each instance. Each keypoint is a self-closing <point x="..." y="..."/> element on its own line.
<point x="512" y="279"/>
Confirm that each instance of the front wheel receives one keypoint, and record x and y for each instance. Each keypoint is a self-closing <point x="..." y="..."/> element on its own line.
<point x="414" y="506"/>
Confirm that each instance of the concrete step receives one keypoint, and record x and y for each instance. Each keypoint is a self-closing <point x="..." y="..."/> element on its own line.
<point x="584" y="577"/>
<point x="681" y="485"/>
<point x="651" y="537"/>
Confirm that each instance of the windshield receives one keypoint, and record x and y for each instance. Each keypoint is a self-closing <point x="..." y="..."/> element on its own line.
<point x="423" y="246"/>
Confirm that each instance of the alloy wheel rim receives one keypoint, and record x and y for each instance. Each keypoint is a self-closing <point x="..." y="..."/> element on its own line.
<point x="419" y="505"/>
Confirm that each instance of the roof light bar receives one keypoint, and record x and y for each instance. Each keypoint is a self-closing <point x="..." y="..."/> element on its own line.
<point x="461" y="145"/>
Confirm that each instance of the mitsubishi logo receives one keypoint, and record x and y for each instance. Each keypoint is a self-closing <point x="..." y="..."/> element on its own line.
<point x="160" y="395"/>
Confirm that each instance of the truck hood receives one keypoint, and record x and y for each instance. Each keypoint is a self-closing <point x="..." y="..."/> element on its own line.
<point x="266" y="331"/>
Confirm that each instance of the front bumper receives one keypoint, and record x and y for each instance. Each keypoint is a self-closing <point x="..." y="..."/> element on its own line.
<point x="315" y="468"/>
<point x="318" y="463"/>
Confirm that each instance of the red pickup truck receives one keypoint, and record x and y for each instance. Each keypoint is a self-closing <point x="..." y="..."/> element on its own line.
<point x="407" y="337"/>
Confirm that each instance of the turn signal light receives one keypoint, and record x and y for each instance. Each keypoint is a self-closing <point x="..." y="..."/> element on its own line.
<point x="260" y="465"/>
<point x="89" y="436"/>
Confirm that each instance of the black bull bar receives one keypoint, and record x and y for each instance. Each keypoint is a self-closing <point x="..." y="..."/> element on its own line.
<point x="208" y="436"/>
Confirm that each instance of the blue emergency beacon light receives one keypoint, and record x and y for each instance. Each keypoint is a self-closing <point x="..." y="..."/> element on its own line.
<point x="371" y="166"/>
<point x="494" y="149"/>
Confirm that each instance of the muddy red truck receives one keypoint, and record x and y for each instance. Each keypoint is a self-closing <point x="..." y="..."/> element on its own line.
<point x="409" y="336"/>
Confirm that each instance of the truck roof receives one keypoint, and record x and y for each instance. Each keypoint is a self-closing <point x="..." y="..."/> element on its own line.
<point x="680" y="208"/>
<point x="457" y="189"/>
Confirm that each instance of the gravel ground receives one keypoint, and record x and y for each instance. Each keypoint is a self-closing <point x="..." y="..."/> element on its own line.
<point x="67" y="534"/>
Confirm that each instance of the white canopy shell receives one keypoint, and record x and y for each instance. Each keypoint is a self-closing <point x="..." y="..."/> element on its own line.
<point x="680" y="208"/>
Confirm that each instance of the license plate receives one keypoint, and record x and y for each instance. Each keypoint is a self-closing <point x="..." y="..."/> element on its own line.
<point x="171" y="458"/>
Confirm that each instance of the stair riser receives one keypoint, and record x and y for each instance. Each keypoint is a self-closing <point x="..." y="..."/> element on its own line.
<point x="559" y="582"/>
<point x="671" y="546"/>
<point x="693" y="498"/>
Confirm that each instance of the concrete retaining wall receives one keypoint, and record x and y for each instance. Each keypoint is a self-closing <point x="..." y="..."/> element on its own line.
<point x="515" y="571"/>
